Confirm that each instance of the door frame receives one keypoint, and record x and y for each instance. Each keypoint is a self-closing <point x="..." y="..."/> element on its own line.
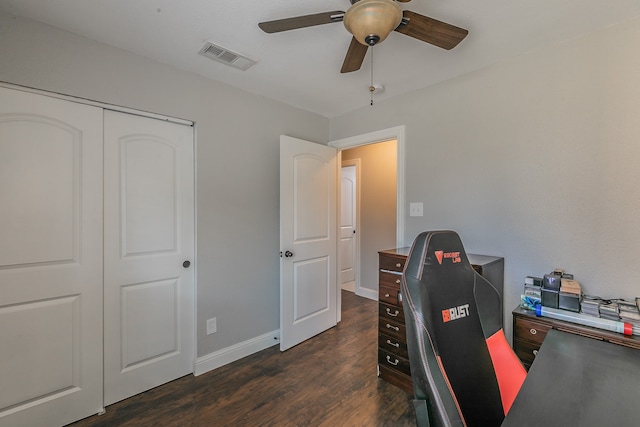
<point x="397" y="133"/>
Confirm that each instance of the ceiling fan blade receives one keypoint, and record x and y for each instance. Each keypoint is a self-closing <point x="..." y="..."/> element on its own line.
<point x="355" y="56"/>
<point x="431" y="30"/>
<point x="301" y="21"/>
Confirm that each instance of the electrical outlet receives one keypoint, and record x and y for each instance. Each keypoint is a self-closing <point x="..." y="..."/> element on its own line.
<point x="212" y="326"/>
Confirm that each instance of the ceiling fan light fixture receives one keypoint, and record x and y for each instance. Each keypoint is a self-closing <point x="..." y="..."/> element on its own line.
<point x="371" y="21"/>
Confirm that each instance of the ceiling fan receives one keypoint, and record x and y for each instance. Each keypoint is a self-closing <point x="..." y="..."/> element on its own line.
<point x="370" y="22"/>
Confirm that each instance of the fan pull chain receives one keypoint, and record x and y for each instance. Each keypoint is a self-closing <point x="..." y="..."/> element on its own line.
<point x="371" y="88"/>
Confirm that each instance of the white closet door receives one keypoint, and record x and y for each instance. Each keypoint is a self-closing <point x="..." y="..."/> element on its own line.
<point x="50" y="260"/>
<point x="149" y="252"/>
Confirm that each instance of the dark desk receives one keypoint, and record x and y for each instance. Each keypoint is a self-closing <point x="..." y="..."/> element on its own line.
<point x="578" y="381"/>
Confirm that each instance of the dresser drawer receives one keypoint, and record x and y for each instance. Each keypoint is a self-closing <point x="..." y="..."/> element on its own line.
<point x="394" y="329"/>
<point x="395" y="377"/>
<point x="390" y="279"/>
<point x="391" y="312"/>
<point x="393" y="345"/>
<point x="526" y="350"/>
<point x="388" y="295"/>
<point x="531" y="330"/>
<point x="393" y="357"/>
<point x="393" y="361"/>
<point x="391" y="263"/>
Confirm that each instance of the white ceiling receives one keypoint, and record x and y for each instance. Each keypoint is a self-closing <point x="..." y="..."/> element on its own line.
<point x="302" y="67"/>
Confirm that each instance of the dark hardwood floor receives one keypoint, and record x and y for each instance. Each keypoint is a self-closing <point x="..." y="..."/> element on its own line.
<point x="329" y="380"/>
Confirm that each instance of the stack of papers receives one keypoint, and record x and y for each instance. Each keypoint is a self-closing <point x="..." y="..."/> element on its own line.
<point x="618" y="309"/>
<point x="610" y="310"/>
<point x="590" y="305"/>
<point x="629" y="312"/>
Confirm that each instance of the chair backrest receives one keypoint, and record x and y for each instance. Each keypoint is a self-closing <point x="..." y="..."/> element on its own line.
<point x="463" y="369"/>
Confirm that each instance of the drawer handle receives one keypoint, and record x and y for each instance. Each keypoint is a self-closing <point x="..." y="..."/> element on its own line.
<point x="395" y="344"/>
<point x="398" y="281"/>
<point x="533" y="331"/>
<point x="398" y="265"/>
<point x="392" y="314"/>
<point x="395" y="328"/>
<point x="394" y="363"/>
<point x="535" y="353"/>
<point x="387" y="295"/>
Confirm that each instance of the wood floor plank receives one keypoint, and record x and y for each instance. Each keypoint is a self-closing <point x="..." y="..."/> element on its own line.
<point x="329" y="380"/>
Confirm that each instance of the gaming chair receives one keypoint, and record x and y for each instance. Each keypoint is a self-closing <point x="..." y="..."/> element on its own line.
<point x="464" y="372"/>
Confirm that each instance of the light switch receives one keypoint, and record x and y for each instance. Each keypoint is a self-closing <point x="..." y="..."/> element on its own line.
<point x="415" y="209"/>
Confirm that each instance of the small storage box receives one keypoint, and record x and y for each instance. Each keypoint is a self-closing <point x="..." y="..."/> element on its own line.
<point x="569" y="301"/>
<point x="552" y="282"/>
<point x="550" y="298"/>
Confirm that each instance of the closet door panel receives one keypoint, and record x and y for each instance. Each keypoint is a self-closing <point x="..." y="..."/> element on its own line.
<point x="149" y="235"/>
<point x="39" y="168"/>
<point x="50" y="260"/>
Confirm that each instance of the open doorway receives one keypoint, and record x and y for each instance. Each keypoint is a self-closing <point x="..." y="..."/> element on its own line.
<point x="366" y="258"/>
<point x="373" y="170"/>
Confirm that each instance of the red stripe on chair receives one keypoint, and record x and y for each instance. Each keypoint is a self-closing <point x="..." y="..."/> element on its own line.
<point x="509" y="370"/>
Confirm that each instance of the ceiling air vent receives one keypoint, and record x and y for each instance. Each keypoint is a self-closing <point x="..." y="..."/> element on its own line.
<point x="226" y="56"/>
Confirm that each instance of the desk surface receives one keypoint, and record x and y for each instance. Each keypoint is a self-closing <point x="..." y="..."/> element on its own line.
<point x="578" y="381"/>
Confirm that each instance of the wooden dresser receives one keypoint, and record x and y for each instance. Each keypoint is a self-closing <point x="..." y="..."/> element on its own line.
<point x="529" y="332"/>
<point x="393" y="358"/>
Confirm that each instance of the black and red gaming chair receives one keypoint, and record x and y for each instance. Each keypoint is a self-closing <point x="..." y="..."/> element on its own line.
<point x="464" y="372"/>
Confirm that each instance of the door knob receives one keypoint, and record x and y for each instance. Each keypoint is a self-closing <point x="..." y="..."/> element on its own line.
<point x="288" y="254"/>
<point x="186" y="264"/>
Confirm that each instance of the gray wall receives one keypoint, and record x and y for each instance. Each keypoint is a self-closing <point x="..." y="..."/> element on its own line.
<point x="535" y="159"/>
<point x="237" y="162"/>
<point x="378" y="169"/>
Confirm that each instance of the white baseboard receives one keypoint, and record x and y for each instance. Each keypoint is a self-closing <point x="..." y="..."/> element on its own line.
<point x="235" y="352"/>
<point x="367" y="293"/>
<point x="349" y="286"/>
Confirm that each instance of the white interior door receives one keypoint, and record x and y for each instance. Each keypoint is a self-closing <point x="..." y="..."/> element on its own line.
<point x="149" y="251"/>
<point x="308" y="241"/>
<point x="348" y="190"/>
<point x="50" y="260"/>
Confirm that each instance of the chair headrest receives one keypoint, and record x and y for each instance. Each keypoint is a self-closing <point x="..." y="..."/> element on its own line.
<point x="436" y="249"/>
